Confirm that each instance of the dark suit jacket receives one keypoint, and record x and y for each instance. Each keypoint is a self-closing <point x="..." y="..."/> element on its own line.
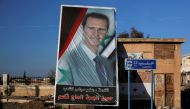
<point x="82" y="72"/>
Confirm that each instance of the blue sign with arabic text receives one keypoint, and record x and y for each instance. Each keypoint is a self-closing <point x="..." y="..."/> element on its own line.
<point x="140" y="64"/>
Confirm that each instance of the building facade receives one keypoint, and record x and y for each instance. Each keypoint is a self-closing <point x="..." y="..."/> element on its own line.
<point x="167" y="76"/>
<point x="185" y="64"/>
<point x="185" y="70"/>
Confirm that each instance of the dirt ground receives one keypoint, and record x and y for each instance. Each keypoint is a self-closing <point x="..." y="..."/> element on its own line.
<point x="29" y="105"/>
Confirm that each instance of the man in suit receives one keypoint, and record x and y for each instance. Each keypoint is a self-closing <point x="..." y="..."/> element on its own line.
<point x="84" y="66"/>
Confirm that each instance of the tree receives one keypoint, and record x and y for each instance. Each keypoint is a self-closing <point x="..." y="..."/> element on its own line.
<point x="51" y="76"/>
<point x="27" y="80"/>
<point x="136" y="34"/>
<point x="24" y="75"/>
<point x="123" y="35"/>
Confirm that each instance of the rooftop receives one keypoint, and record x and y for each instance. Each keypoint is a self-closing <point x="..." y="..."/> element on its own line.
<point x="152" y="40"/>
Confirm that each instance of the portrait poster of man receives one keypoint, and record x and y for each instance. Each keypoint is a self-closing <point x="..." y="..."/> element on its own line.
<point x="86" y="71"/>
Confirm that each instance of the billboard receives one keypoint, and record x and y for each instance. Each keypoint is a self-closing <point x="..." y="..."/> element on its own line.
<point x="86" y="71"/>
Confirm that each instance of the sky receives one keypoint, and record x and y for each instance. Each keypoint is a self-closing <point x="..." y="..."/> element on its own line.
<point x="29" y="28"/>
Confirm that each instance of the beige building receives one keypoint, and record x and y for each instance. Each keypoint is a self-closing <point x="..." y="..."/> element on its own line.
<point x="185" y="70"/>
<point x="185" y="64"/>
<point x="166" y="76"/>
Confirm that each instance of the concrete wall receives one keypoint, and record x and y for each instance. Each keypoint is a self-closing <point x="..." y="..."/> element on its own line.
<point x="30" y="90"/>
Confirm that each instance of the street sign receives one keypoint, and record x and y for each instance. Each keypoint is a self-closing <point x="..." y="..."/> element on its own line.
<point x="140" y="64"/>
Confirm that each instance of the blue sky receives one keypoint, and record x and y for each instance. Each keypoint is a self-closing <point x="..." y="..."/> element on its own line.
<point x="29" y="28"/>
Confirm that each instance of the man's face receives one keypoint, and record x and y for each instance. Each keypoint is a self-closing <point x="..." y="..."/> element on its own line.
<point x="94" y="31"/>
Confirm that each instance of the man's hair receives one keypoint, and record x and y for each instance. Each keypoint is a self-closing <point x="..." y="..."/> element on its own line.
<point x="96" y="15"/>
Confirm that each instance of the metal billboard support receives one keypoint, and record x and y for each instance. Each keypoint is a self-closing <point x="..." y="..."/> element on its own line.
<point x="129" y="90"/>
<point x="152" y="89"/>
